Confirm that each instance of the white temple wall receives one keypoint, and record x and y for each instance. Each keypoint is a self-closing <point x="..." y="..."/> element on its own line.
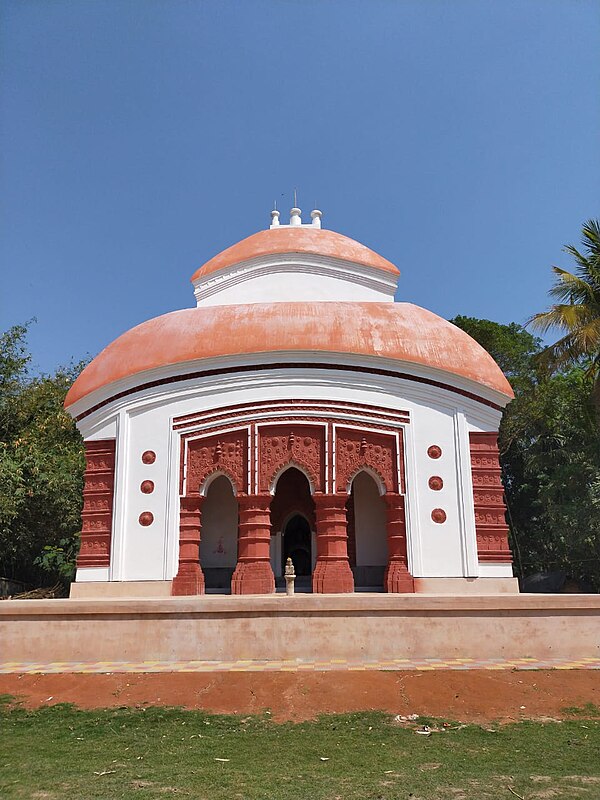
<point x="438" y="417"/>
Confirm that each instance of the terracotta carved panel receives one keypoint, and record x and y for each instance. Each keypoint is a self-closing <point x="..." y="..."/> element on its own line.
<point x="219" y="453"/>
<point x="490" y="520"/>
<point x="293" y="444"/>
<point x="356" y="449"/>
<point x="98" y="495"/>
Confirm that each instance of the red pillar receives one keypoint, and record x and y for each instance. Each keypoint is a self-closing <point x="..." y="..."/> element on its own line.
<point x="253" y="573"/>
<point x="332" y="573"/>
<point x="189" y="578"/>
<point x="397" y="577"/>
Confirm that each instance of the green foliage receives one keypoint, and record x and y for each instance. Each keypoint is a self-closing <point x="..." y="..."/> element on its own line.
<point x="41" y="467"/>
<point x="577" y="314"/>
<point x="550" y="454"/>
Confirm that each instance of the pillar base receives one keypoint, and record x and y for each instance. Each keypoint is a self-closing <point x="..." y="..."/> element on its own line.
<point x="398" y="579"/>
<point x="253" y="577"/>
<point x="333" y="577"/>
<point x="188" y="582"/>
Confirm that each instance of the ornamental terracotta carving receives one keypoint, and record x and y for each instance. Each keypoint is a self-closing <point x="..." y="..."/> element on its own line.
<point x="146" y="518"/>
<point x="357" y="449"/>
<point x="148" y="457"/>
<point x="224" y="453"/>
<point x="436" y="483"/>
<point x="147" y="487"/>
<point x="98" y="491"/>
<point x="488" y="496"/>
<point x="434" y="451"/>
<point x="438" y="515"/>
<point x="295" y="445"/>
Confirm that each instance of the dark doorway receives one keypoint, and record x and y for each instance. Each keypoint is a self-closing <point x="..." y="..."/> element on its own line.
<point x="297" y="545"/>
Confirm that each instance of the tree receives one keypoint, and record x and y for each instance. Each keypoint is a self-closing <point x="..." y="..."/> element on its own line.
<point x="550" y="456"/>
<point x="577" y="314"/>
<point x="41" y="467"/>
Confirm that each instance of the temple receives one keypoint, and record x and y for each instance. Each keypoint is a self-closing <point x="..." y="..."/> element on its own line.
<point x="298" y="411"/>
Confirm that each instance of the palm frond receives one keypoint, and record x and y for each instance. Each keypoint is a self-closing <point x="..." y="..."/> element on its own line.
<point x="570" y="287"/>
<point x="565" y="316"/>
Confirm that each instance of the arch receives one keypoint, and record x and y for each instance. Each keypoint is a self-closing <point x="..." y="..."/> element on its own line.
<point x="379" y="481"/>
<point x="369" y="517"/>
<point x="219" y="532"/>
<point x="292" y="498"/>
<point x="220" y="472"/>
<point x="291" y="465"/>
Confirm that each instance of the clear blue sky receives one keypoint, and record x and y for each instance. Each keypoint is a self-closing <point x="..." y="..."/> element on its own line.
<point x="140" y="137"/>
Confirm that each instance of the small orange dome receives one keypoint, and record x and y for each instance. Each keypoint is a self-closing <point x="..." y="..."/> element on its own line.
<point x="301" y="239"/>
<point x="398" y="331"/>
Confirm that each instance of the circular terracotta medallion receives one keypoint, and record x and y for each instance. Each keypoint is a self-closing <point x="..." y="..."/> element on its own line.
<point x="146" y="518"/>
<point x="434" y="451"/>
<point x="438" y="515"/>
<point x="436" y="483"/>
<point x="149" y="457"/>
<point x="147" y="487"/>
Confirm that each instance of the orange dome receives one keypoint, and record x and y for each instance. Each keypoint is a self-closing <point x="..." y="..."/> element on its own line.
<point x="399" y="331"/>
<point x="301" y="239"/>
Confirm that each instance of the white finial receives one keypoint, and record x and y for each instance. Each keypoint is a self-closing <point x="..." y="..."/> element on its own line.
<point x="295" y="217"/>
<point x="316" y="215"/>
<point x="274" y="218"/>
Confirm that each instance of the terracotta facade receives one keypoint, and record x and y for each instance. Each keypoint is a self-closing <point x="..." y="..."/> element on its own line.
<point x="254" y="458"/>
<point x="98" y="494"/>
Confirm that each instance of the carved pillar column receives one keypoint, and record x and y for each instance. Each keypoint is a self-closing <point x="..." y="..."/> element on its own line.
<point x="189" y="578"/>
<point x="253" y="573"/>
<point x="397" y="577"/>
<point x="332" y="573"/>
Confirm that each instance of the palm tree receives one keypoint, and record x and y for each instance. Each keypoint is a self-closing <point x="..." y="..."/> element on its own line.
<point x="577" y="312"/>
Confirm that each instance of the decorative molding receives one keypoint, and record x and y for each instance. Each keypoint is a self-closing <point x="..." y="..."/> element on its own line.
<point x="357" y="450"/>
<point x="244" y="368"/>
<point x="283" y="445"/>
<point x="438" y="515"/>
<point x="224" y="453"/>
<point x="490" y="510"/>
<point x="98" y="497"/>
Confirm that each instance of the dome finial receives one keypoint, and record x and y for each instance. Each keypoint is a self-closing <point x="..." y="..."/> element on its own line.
<point x="274" y="216"/>
<point x="316" y="215"/>
<point x="295" y="213"/>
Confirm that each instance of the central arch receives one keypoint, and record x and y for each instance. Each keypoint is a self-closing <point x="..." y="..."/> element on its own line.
<point x="293" y="524"/>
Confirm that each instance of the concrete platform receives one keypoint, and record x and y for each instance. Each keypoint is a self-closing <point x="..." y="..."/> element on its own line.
<point x="357" y="628"/>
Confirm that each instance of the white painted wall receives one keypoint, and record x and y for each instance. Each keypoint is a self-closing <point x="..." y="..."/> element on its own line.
<point x="295" y="278"/>
<point x="438" y="416"/>
<point x="218" y="545"/>
<point x="369" y="523"/>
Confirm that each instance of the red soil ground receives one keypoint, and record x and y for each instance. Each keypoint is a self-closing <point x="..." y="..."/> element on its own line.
<point x="469" y="696"/>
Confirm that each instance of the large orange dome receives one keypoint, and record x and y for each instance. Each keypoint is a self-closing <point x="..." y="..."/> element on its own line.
<point x="398" y="331"/>
<point x="302" y="239"/>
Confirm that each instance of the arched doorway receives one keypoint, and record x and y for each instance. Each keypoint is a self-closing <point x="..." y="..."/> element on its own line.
<point x="292" y="526"/>
<point x="368" y="547"/>
<point x="219" y="535"/>
<point x="297" y="545"/>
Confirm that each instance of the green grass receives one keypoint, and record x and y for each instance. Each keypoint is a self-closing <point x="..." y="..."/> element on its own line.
<point x="62" y="752"/>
